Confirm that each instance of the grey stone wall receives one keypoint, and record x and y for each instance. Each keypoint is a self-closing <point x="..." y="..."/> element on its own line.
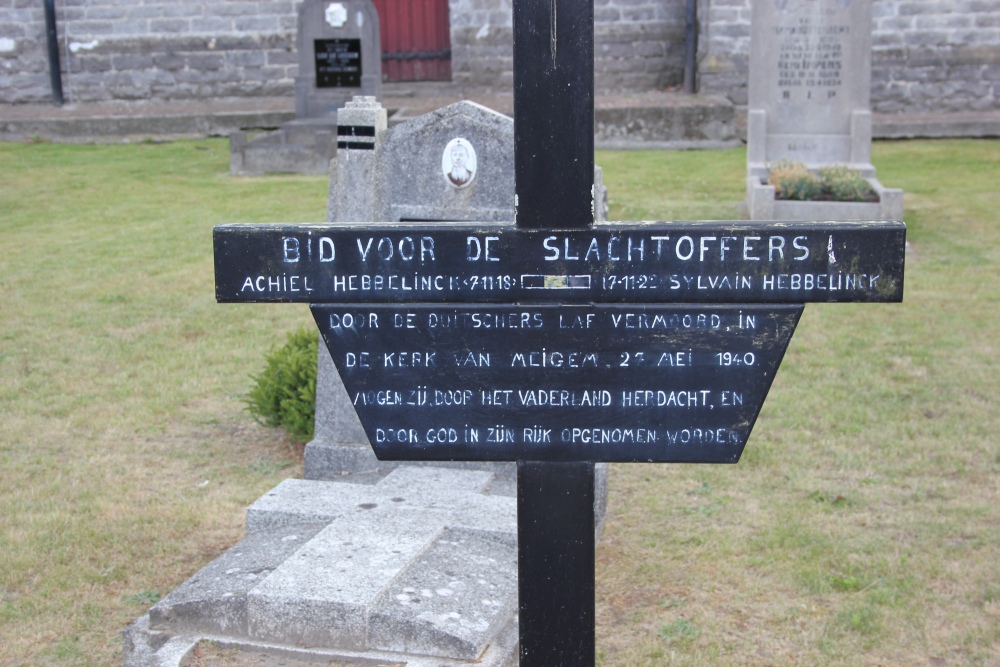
<point x="150" y="49"/>
<point x="927" y="55"/>
<point x="23" y="69"/>
<point x="639" y="44"/>
<point x="724" y="48"/>
<point x="482" y="43"/>
<point x="932" y="55"/>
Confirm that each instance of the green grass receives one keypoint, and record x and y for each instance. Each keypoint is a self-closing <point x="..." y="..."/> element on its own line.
<point x="862" y="526"/>
<point x="125" y="456"/>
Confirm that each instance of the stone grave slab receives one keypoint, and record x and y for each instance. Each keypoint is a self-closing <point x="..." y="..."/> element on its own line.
<point x="809" y="102"/>
<point x="421" y="563"/>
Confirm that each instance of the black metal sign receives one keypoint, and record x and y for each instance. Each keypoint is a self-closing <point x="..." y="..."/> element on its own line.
<point x="338" y="63"/>
<point x="557" y="383"/>
<point x="676" y="262"/>
<point x="589" y="365"/>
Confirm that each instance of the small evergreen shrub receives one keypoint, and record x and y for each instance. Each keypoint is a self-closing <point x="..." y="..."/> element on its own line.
<point x="846" y="184"/>
<point x="284" y="393"/>
<point x="793" y="180"/>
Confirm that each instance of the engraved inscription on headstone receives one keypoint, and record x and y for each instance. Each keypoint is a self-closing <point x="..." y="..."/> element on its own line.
<point x="571" y="383"/>
<point x="811" y="66"/>
<point x="338" y="63"/>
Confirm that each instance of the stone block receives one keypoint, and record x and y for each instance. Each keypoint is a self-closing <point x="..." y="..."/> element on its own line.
<point x="211" y="24"/>
<point x="451" y="602"/>
<point x="82" y="29"/>
<point x="214" y="599"/>
<point x="321" y="595"/>
<point x="107" y="13"/>
<point x="170" y="25"/>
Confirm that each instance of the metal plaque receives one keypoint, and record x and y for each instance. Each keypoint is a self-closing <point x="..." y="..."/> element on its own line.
<point x="338" y="63"/>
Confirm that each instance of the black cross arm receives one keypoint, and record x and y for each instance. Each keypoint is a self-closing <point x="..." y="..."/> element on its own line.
<point x="635" y="262"/>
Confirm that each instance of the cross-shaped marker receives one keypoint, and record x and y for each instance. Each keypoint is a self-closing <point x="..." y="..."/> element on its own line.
<point x="555" y="342"/>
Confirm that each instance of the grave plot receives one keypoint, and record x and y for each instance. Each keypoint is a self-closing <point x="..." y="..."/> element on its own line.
<point x="809" y="103"/>
<point x="403" y="174"/>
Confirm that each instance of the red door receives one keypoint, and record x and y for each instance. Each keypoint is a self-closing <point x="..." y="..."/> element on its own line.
<point x="416" y="40"/>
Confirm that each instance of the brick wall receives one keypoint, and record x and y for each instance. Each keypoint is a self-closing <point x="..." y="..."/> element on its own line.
<point x="638" y="44"/>
<point x="24" y="74"/>
<point x="928" y="54"/>
<point x="724" y="47"/>
<point x="482" y="38"/>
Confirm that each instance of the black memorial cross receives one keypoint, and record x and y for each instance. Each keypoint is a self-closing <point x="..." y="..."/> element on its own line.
<point x="555" y="342"/>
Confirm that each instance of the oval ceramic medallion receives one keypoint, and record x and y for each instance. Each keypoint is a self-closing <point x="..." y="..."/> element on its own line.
<point x="458" y="163"/>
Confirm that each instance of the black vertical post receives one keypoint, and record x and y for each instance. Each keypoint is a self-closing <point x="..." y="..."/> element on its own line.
<point x="554" y="112"/>
<point x="554" y="177"/>
<point x="52" y="34"/>
<point x="690" y="45"/>
<point x="555" y="563"/>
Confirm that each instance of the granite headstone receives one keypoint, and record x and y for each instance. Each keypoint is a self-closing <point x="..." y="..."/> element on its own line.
<point x="408" y="173"/>
<point x="340" y="55"/>
<point x="809" y="93"/>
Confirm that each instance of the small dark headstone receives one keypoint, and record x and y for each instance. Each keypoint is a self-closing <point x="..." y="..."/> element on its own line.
<point x="340" y="56"/>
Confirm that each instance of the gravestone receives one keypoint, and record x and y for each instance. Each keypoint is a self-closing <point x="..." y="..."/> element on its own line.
<point x="339" y="57"/>
<point x="402" y="174"/>
<point x="809" y="92"/>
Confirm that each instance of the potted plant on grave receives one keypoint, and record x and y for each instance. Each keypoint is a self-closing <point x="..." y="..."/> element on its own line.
<point x="793" y="181"/>
<point x="789" y="190"/>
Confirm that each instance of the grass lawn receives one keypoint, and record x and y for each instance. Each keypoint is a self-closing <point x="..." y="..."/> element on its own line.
<point x="862" y="526"/>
